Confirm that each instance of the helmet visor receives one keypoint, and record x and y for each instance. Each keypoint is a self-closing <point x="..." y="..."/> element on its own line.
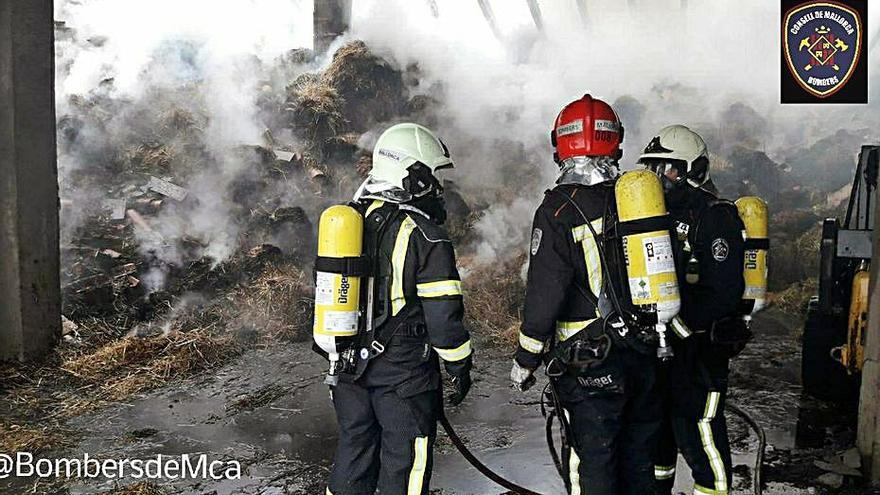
<point x="673" y="170"/>
<point x="442" y="174"/>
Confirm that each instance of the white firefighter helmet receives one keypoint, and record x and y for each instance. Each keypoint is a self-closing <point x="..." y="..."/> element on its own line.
<point x="406" y="159"/>
<point x="679" y="147"/>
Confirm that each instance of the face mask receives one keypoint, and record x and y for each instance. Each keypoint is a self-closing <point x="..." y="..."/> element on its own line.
<point x="675" y="190"/>
<point x="676" y="193"/>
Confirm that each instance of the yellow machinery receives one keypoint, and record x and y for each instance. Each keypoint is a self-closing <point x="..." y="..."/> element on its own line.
<point x="834" y="332"/>
<point x="753" y="212"/>
<point x="852" y="354"/>
<point x="647" y="248"/>
<point x="338" y="282"/>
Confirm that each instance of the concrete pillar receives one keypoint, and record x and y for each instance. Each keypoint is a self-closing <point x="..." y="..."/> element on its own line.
<point x="30" y="301"/>
<point x="869" y="404"/>
<point x="331" y="19"/>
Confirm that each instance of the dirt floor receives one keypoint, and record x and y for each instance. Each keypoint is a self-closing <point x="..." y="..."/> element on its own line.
<point x="269" y="410"/>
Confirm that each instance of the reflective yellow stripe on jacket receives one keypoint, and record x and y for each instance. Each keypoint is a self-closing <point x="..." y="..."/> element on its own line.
<point x="439" y="288"/>
<point x="567" y="329"/>
<point x="375" y="205"/>
<point x="398" y="260"/>
<point x="680" y="328"/>
<point x="702" y="490"/>
<point x="664" y="472"/>
<point x="457" y="354"/>
<point x="534" y="346"/>
<point x="592" y="259"/>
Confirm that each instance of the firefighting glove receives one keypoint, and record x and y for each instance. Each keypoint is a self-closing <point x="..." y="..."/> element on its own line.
<point x="460" y="378"/>
<point x="522" y="378"/>
<point x="729" y="336"/>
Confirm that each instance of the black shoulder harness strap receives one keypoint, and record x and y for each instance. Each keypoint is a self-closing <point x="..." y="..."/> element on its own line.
<point x="600" y="244"/>
<point x="373" y="244"/>
<point x="385" y="325"/>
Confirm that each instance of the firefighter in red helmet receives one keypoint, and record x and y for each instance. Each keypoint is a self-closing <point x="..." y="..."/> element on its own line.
<point x="600" y="363"/>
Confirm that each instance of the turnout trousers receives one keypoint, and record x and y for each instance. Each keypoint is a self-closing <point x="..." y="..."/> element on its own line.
<point x="386" y="438"/>
<point x="614" y="414"/>
<point x="694" y="388"/>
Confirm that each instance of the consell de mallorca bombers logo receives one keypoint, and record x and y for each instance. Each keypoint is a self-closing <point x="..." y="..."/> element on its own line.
<point x="822" y="46"/>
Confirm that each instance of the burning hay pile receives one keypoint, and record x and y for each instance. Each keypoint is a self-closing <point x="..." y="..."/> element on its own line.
<point x="132" y="258"/>
<point x="372" y="90"/>
<point x="191" y="236"/>
<point x="179" y="253"/>
<point x="494" y="296"/>
<point x="133" y="364"/>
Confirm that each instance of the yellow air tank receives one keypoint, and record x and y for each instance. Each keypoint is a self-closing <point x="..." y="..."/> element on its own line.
<point x="338" y="281"/>
<point x="753" y="212"/>
<point x="647" y="247"/>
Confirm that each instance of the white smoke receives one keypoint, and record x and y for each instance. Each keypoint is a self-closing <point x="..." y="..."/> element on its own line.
<point x="683" y="67"/>
<point x="497" y="97"/>
<point x="134" y="32"/>
<point x="500" y="232"/>
<point x="206" y="56"/>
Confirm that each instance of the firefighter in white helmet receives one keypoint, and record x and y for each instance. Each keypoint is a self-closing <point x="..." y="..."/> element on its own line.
<point x="387" y="403"/>
<point x="709" y="252"/>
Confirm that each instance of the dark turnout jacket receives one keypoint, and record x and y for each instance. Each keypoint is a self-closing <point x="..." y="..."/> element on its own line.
<point x="710" y="251"/>
<point x="563" y="254"/>
<point x="417" y="311"/>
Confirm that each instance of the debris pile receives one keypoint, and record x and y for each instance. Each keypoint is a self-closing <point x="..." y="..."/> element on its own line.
<point x="156" y="287"/>
<point x="371" y="90"/>
<point x="132" y="256"/>
<point x="494" y="298"/>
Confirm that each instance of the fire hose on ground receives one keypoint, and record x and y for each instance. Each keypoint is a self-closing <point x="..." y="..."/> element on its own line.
<point x="757" y="481"/>
<point x="519" y="490"/>
<point x="482" y="468"/>
<point x="762" y="444"/>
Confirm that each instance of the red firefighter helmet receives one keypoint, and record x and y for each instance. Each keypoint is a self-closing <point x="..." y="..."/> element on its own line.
<point x="587" y="127"/>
